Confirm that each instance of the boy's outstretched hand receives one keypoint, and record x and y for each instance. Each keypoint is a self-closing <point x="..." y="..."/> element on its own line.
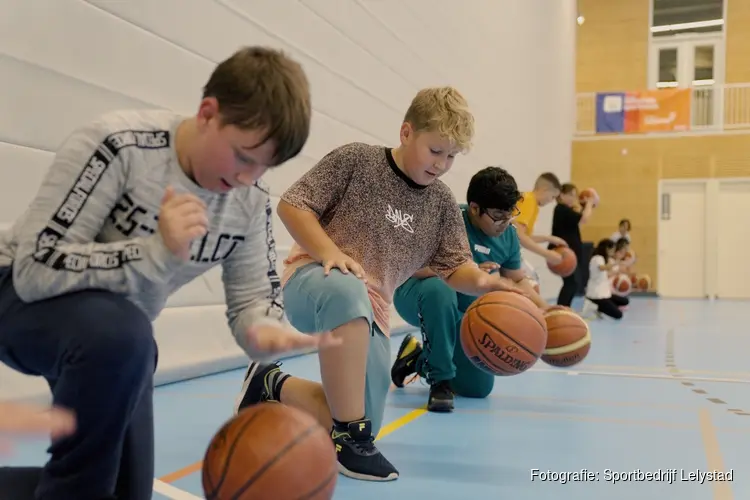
<point x="267" y="342"/>
<point x="27" y="420"/>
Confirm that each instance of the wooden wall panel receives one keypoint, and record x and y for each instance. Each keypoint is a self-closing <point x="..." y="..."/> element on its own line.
<point x="626" y="174"/>
<point x="612" y="45"/>
<point x="737" y="20"/>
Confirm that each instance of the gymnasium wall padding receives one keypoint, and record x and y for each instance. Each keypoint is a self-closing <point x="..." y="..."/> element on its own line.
<point x="66" y="61"/>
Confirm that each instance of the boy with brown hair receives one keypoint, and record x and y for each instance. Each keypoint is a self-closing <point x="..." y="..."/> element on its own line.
<point x="365" y="219"/>
<point x="135" y="205"/>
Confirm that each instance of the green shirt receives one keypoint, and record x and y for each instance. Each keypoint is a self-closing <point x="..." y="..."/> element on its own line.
<point x="503" y="250"/>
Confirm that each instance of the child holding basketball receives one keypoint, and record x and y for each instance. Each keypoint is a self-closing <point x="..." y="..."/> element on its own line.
<point x="546" y="189"/>
<point x="427" y="302"/>
<point x="364" y="219"/>
<point x="566" y="224"/>
<point x="135" y="205"/>
<point x="599" y="297"/>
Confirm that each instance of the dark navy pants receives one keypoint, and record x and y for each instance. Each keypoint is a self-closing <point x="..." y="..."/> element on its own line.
<point x="98" y="354"/>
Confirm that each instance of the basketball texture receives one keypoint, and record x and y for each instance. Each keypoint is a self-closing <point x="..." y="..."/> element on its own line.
<point x="589" y="193"/>
<point x="270" y="451"/>
<point x="568" y="338"/>
<point x="503" y="333"/>
<point x="568" y="264"/>
<point x="621" y="285"/>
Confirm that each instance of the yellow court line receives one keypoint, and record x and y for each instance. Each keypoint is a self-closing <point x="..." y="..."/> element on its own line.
<point x="722" y="489"/>
<point x="400" y="422"/>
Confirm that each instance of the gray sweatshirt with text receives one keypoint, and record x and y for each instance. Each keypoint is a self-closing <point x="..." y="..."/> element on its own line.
<point x="94" y="224"/>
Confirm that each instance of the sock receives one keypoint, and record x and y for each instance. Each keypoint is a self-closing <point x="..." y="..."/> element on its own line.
<point x="344" y="426"/>
<point x="275" y="381"/>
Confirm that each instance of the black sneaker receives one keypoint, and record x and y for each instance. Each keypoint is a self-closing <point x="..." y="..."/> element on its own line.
<point x="257" y="385"/>
<point x="441" y="397"/>
<point x="357" y="455"/>
<point x="406" y="360"/>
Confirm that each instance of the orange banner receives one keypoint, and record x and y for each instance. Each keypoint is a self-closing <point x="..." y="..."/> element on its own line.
<point x="663" y="110"/>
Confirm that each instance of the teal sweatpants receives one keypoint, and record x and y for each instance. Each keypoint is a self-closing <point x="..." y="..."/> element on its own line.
<point x="437" y="310"/>
<point x="316" y="303"/>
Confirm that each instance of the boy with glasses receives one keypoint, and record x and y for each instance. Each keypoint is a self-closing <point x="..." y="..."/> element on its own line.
<point x="425" y="300"/>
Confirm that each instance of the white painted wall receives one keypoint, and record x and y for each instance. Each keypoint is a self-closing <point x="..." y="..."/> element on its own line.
<point x="65" y="61"/>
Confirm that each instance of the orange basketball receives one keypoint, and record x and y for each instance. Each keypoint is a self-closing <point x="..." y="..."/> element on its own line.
<point x="634" y="280"/>
<point x="621" y="284"/>
<point x="568" y="264"/>
<point x="589" y="193"/>
<point x="568" y="339"/>
<point x="644" y="282"/>
<point x="270" y="450"/>
<point x="503" y="333"/>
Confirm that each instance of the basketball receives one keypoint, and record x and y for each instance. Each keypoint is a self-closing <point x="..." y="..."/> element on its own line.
<point x="503" y="333"/>
<point x="568" y="338"/>
<point x="643" y="282"/>
<point x="634" y="280"/>
<point x="568" y="264"/>
<point x="589" y="193"/>
<point x="629" y="258"/>
<point x="270" y="450"/>
<point x="621" y="285"/>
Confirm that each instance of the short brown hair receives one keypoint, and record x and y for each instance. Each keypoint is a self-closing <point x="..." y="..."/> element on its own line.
<point x="443" y="110"/>
<point x="262" y="88"/>
<point x="550" y="179"/>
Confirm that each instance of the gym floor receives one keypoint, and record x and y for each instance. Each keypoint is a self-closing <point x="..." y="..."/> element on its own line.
<point x="659" y="392"/>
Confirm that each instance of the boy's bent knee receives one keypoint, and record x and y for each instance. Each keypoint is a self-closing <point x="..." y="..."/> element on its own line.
<point x="434" y="292"/>
<point x="108" y="330"/>
<point x="315" y="303"/>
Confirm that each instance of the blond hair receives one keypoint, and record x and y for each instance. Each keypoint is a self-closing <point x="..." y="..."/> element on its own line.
<point x="262" y="88"/>
<point x="445" y="111"/>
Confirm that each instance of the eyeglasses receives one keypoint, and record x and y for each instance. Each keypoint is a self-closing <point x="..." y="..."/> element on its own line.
<point x="507" y="218"/>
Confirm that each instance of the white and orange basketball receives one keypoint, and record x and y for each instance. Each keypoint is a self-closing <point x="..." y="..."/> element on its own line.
<point x="621" y="285"/>
<point x="568" y="338"/>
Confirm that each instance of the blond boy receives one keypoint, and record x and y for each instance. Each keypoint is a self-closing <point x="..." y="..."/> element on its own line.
<point x="364" y="220"/>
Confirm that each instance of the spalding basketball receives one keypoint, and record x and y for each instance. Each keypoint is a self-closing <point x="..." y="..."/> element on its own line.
<point x="643" y="282"/>
<point x="568" y="338"/>
<point x="568" y="264"/>
<point x="503" y="333"/>
<point x="270" y="450"/>
<point x="589" y="193"/>
<point x="621" y="285"/>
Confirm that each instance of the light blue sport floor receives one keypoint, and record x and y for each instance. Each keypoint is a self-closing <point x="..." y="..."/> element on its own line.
<point x="665" y="389"/>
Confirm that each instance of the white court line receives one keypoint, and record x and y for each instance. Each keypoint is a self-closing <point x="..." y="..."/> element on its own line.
<point x="649" y="376"/>
<point x="170" y="491"/>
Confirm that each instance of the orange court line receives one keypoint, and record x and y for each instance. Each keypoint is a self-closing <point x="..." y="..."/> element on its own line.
<point x="195" y="467"/>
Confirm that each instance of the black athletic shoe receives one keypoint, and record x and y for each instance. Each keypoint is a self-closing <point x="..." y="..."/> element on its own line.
<point x="257" y="386"/>
<point x="441" y="397"/>
<point x="358" y="456"/>
<point x="406" y="360"/>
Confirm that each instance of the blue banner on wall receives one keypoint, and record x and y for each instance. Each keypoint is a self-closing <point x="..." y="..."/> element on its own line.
<point x="610" y="113"/>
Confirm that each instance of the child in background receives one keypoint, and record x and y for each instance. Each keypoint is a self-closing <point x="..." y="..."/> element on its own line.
<point x="566" y="224"/>
<point x="546" y="189"/>
<point x="624" y="260"/>
<point x="623" y="231"/>
<point x="364" y="220"/>
<point x="599" y="298"/>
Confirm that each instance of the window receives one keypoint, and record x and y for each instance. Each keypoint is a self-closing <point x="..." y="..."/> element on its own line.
<point x="687" y="49"/>
<point x="672" y="17"/>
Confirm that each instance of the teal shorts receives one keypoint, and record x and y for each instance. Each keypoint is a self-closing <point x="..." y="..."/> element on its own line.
<point x="316" y="303"/>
